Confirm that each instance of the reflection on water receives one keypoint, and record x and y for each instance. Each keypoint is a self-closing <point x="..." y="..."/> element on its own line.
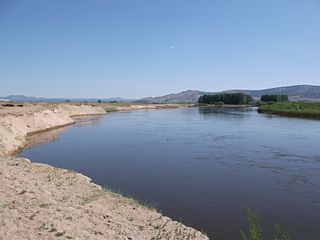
<point x="54" y="134"/>
<point x="220" y="110"/>
<point x="45" y="137"/>
<point x="203" y="166"/>
<point x="90" y="120"/>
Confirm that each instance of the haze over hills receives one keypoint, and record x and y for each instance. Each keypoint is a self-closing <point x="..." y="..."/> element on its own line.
<point x="22" y="98"/>
<point x="189" y="96"/>
<point x="295" y="93"/>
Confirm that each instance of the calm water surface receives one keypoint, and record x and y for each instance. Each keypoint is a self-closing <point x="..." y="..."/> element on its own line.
<point x="202" y="166"/>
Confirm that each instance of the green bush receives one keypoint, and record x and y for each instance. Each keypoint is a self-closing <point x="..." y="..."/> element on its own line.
<point x="274" y="98"/>
<point x="255" y="230"/>
<point x="259" y="103"/>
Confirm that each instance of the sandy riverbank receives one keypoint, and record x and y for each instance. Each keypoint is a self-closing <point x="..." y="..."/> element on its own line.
<point x="110" y="107"/>
<point x="16" y="123"/>
<point x="38" y="201"/>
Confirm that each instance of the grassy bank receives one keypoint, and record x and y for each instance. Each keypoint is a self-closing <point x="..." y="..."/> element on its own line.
<point x="293" y="109"/>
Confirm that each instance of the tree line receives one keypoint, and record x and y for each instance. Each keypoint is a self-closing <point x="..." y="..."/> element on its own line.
<point x="226" y="98"/>
<point x="274" y="98"/>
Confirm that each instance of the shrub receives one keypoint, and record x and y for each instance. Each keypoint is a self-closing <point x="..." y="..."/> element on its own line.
<point x="255" y="230"/>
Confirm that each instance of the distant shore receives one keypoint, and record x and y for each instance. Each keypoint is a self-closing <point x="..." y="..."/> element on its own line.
<point x="293" y="109"/>
<point x="224" y="106"/>
<point x="119" y="107"/>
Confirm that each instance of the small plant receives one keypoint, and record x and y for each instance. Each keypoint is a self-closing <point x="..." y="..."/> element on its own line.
<point x="279" y="235"/>
<point x="255" y="230"/>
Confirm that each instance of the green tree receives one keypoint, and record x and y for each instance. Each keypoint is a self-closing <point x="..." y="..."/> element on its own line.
<point x="226" y="98"/>
<point x="274" y="98"/>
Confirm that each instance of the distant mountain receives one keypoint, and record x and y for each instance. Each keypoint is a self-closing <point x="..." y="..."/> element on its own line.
<point x="189" y="96"/>
<point x="22" y="98"/>
<point x="295" y="93"/>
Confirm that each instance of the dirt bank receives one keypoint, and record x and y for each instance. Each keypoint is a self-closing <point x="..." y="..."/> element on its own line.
<point x="110" y="107"/>
<point x="42" y="202"/>
<point x="38" y="201"/>
<point x="16" y="123"/>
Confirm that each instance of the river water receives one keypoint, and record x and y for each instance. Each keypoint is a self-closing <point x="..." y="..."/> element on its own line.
<point x="201" y="166"/>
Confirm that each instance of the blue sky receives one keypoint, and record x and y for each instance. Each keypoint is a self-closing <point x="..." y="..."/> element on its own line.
<point x="135" y="48"/>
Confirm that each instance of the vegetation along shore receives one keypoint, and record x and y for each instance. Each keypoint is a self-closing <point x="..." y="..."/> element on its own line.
<point x="292" y="109"/>
<point x="278" y="104"/>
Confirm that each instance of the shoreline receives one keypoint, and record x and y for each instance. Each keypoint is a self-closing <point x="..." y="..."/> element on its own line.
<point x="124" y="107"/>
<point x="41" y="201"/>
<point x="51" y="128"/>
<point x="224" y="106"/>
<point x="290" y="115"/>
<point x="16" y="124"/>
<point x="301" y="110"/>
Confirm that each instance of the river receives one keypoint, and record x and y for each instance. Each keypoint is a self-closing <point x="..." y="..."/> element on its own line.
<point x="201" y="166"/>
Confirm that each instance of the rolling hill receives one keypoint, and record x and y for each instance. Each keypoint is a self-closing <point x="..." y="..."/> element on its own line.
<point x="295" y="93"/>
<point x="22" y="98"/>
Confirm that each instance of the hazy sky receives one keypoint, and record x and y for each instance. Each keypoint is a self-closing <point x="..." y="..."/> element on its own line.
<point x="135" y="48"/>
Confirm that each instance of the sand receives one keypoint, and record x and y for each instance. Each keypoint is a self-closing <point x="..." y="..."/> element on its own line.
<point x="18" y="122"/>
<point x="38" y="201"/>
<point x="136" y="106"/>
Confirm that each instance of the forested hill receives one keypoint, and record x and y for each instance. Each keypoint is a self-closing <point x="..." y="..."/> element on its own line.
<point x="296" y="93"/>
